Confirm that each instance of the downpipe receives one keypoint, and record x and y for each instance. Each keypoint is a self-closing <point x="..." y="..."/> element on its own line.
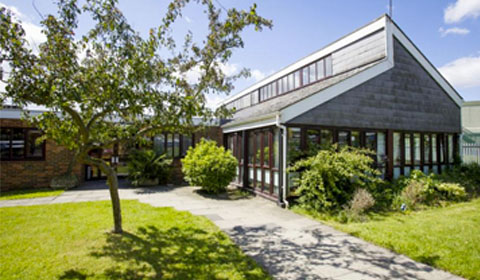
<point x="284" y="161"/>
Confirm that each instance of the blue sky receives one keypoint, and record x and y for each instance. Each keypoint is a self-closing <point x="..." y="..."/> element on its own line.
<point x="446" y="31"/>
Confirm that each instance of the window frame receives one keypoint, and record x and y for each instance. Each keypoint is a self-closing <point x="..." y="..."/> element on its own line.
<point x="25" y="141"/>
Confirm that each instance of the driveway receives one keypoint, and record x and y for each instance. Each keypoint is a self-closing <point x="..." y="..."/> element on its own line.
<point x="288" y="245"/>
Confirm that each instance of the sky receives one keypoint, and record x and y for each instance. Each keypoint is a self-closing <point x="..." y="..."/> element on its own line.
<point x="446" y="31"/>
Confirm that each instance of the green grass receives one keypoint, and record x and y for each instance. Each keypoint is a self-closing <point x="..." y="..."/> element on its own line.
<point x="72" y="241"/>
<point x="447" y="238"/>
<point x="31" y="193"/>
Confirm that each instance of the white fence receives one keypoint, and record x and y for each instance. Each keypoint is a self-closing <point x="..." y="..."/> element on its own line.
<point x="471" y="152"/>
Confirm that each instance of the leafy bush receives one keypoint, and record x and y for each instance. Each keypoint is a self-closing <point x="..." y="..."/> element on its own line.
<point x="428" y="189"/>
<point x="328" y="179"/>
<point x="147" y="165"/>
<point x="467" y="175"/>
<point x="209" y="166"/>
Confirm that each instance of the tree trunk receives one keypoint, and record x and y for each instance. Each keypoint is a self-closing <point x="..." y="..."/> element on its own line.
<point x="112" y="182"/>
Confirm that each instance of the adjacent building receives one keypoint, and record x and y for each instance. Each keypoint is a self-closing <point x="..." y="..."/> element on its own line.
<point x="371" y="88"/>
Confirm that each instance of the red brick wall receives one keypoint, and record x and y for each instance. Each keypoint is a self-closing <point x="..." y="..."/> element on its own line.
<point x="27" y="174"/>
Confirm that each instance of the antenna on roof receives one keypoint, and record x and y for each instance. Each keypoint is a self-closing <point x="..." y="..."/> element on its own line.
<point x="390" y="9"/>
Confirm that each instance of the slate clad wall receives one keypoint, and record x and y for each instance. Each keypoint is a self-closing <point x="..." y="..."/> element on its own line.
<point x="403" y="98"/>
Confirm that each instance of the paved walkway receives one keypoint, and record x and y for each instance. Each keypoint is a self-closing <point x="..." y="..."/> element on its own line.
<point x="288" y="245"/>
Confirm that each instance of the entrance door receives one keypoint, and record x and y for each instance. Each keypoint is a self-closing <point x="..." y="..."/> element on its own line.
<point x="116" y="156"/>
<point x="261" y="161"/>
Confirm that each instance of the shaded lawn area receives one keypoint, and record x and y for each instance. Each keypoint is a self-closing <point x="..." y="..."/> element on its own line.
<point x="71" y="241"/>
<point x="447" y="238"/>
<point x="31" y="193"/>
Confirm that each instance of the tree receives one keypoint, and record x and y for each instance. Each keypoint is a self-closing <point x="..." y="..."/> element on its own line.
<point x="114" y="86"/>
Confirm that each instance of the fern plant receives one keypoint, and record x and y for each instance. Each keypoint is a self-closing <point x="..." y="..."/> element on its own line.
<point x="146" y="165"/>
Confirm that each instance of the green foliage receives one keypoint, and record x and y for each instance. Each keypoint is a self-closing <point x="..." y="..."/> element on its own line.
<point x="209" y="166"/>
<point x="147" y="165"/>
<point x="430" y="189"/>
<point x="467" y="175"/>
<point x="328" y="179"/>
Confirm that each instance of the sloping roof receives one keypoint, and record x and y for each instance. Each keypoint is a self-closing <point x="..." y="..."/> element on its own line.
<point x="276" y="104"/>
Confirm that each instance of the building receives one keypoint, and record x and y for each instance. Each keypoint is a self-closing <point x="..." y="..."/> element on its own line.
<point x="371" y="88"/>
<point x="25" y="164"/>
<point x="471" y="132"/>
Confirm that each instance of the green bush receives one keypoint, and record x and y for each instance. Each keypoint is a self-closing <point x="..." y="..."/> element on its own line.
<point x="145" y="165"/>
<point x="467" y="175"/>
<point x="209" y="166"/>
<point x="329" y="179"/>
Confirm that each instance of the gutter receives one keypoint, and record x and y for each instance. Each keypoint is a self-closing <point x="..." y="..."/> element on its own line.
<point x="284" y="161"/>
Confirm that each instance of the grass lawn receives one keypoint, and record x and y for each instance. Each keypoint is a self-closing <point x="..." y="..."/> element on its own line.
<point x="71" y="241"/>
<point x="32" y="193"/>
<point x="447" y="238"/>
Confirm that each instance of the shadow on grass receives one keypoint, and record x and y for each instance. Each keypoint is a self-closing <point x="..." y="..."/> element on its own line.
<point x="186" y="253"/>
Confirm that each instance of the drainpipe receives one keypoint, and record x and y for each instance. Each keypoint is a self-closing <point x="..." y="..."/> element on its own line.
<point x="284" y="161"/>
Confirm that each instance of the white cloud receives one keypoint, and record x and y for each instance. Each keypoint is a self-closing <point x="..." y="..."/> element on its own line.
<point x="258" y="75"/>
<point x="454" y="30"/>
<point x="463" y="72"/>
<point x="33" y="32"/>
<point x="461" y="10"/>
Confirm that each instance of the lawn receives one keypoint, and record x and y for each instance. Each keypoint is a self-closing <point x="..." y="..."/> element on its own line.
<point x="31" y="193"/>
<point x="72" y="241"/>
<point x="447" y="238"/>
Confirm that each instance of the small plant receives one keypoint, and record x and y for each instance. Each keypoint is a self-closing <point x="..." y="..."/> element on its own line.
<point x="209" y="166"/>
<point x="329" y="179"/>
<point x="145" y="167"/>
<point x="361" y="202"/>
<point x="413" y="195"/>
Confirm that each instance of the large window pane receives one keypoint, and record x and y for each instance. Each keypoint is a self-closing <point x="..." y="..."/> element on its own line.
<point x="169" y="145"/>
<point x="416" y="139"/>
<point x="254" y="97"/>
<point x="274" y="89"/>
<point x="266" y="149"/>
<point x="397" y="149"/>
<point x="297" y="79"/>
<point x="426" y="148"/>
<point x="381" y="148"/>
<point x="434" y="148"/>
<point x="176" y="145"/>
<point x="251" y="150"/>
<point x="18" y="143"/>
<point x="441" y="143"/>
<point x="159" y="144"/>
<point x="293" y="142"/>
<point x="408" y="150"/>
<point x="370" y="140"/>
<point x="450" y="148"/>
<point x="276" y="148"/>
<point x="291" y="82"/>
<point x="259" y="151"/>
<point x="312" y="73"/>
<point x="5" y="143"/>
<point x="313" y="140"/>
<point x="328" y="66"/>
<point x="355" y="138"/>
<point x="326" y="138"/>
<point x="187" y="143"/>
<point x="342" y="138"/>
<point x="34" y="149"/>
<point x="305" y="76"/>
<point x="320" y="70"/>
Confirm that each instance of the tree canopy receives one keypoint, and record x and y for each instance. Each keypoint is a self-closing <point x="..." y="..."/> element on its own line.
<point x="112" y="85"/>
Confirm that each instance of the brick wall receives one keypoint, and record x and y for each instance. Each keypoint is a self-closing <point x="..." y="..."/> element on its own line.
<point x="27" y="174"/>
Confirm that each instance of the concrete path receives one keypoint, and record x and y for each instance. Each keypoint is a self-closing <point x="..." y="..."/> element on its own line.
<point x="288" y="245"/>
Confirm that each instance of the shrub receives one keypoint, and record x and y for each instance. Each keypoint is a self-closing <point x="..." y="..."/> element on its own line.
<point x="451" y="191"/>
<point x="144" y="165"/>
<point x="209" y="166"/>
<point x="467" y="175"/>
<point x="414" y="194"/>
<point x="362" y="201"/>
<point x="328" y="180"/>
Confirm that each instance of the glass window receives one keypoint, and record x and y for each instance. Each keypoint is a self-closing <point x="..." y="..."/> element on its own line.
<point x="426" y="148"/>
<point x="169" y="145"/>
<point x="297" y="79"/>
<point x="18" y="143"/>
<point x="34" y="149"/>
<point x="266" y="150"/>
<point x="159" y="144"/>
<point x="342" y="138"/>
<point x="293" y="142"/>
<point x="355" y="138"/>
<point x="370" y="140"/>
<point x="251" y="151"/>
<point x="441" y="144"/>
<point x="5" y="134"/>
<point x="320" y="69"/>
<point x="408" y="150"/>
<point x="450" y="148"/>
<point x="176" y="145"/>
<point x="255" y="97"/>
<point x="313" y="139"/>
<point x="326" y="138"/>
<point x="328" y="66"/>
<point x="258" y="155"/>
<point x="291" y="82"/>
<point x="434" y="148"/>
<point x="313" y="73"/>
<point x="285" y="84"/>
<point x="187" y="143"/>
<point x="305" y="76"/>
<point x="276" y="148"/>
<point x="381" y="148"/>
<point x="397" y="148"/>
<point x="416" y="139"/>
<point x="274" y="89"/>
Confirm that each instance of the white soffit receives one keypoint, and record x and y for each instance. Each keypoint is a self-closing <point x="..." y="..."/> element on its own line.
<point x="344" y="41"/>
<point x="267" y="121"/>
